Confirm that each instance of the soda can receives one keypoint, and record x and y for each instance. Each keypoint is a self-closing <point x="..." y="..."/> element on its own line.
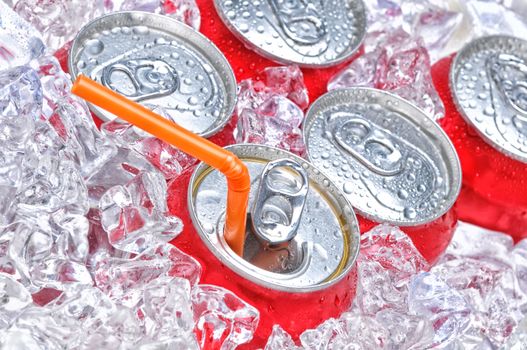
<point x="306" y="33"/>
<point x="161" y="63"/>
<point x="298" y="266"/>
<point x="393" y="163"/>
<point x="485" y="98"/>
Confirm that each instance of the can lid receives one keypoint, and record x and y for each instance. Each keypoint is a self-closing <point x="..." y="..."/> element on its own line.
<point x="488" y="81"/>
<point x="394" y="164"/>
<point x="160" y="63"/>
<point x="318" y="240"/>
<point x="307" y="33"/>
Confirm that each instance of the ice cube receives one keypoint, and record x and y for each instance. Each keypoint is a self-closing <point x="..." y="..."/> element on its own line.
<point x="169" y="160"/>
<point x="135" y="215"/>
<point x="397" y="62"/>
<point x="15" y="298"/>
<point x="59" y="21"/>
<point x="223" y="320"/>
<point x="19" y="41"/>
<point x="280" y="340"/>
<point x="185" y="11"/>
<point x="444" y="306"/>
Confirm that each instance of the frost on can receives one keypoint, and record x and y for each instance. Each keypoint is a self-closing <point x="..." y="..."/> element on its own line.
<point x="484" y="89"/>
<point x="162" y="64"/>
<point x="308" y="33"/>
<point x="301" y="244"/>
<point x="394" y="164"/>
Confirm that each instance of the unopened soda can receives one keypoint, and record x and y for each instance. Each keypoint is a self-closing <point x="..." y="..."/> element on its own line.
<point x="486" y="117"/>
<point x="394" y="164"/>
<point x="161" y="63"/>
<point x="310" y="33"/>
<point x="302" y="241"/>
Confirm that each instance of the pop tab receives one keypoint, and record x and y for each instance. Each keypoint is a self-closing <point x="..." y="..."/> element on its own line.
<point x="280" y="201"/>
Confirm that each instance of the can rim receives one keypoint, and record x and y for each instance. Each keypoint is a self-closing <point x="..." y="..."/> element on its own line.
<point x="193" y="36"/>
<point x="451" y="159"/>
<point x="275" y="58"/>
<point x="233" y="262"/>
<point x="453" y="92"/>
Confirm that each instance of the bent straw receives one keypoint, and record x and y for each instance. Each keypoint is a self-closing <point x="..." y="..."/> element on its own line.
<point x="232" y="167"/>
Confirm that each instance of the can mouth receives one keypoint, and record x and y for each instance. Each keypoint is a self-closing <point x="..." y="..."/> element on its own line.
<point x="279" y="267"/>
<point x="199" y="93"/>
<point x="397" y="159"/>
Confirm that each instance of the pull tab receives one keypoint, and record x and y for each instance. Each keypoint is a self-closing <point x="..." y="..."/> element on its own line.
<point x="509" y="73"/>
<point x="279" y="203"/>
<point x="370" y="146"/>
<point x="301" y="22"/>
<point x="149" y="78"/>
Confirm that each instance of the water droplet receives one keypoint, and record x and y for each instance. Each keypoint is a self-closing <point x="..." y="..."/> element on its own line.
<point x="348" y="187"/>
<point x="410" y="213"/>
<point x="244" y="28"/>
<point x="193" y="100"/>
<point x="402" y="193"/>
<point x="94" y="46"/>
<point x="141" y="30"/>
<point x="489" y="111"/>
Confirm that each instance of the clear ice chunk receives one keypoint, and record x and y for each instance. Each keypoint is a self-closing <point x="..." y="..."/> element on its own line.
<point x="167" y="159"/>
<point x="444" y="306"/>
<point x="185" y="11"/>
<point x="135" y="216"/>
<point x="396" y="62"/>
<point x="223" y="321"/>
<point x="59" y="21"/>
<point x="72" y="119"/>
<point x="123" y="279"/>
<point x="19" y="41"/>
<point x="280" y="340"/>
<point x="15" y="298"/>
<point x="167" y="309"/>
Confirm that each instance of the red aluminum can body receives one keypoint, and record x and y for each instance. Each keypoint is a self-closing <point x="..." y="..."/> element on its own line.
<point x="294" y="312"/>
<point x="494" y="192"/>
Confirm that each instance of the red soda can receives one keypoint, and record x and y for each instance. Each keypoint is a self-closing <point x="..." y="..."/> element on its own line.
<point x="484" y="89"/>
<point x="393" y="163"/>
<point x="298" y="266"/>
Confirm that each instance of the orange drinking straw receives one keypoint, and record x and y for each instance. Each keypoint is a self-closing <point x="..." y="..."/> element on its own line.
<point x="232" y="167"/>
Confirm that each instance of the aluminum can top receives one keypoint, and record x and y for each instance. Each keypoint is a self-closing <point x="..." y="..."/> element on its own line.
<point x="310" y="33"/>
<point x="488" y="81"/>
<point x="302" y="233"/>
<point x="161" y="63"/>
<point x="394" y="163"/>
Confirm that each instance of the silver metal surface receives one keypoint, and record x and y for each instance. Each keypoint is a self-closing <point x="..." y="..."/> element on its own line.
<point x="321" y="253"/>
<point x="310" y="33"/>
<point x="393" y="163"/>
<point x="488" y="80"/>
<point x="161" y="63"/>
<point x="280" y="201"/>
